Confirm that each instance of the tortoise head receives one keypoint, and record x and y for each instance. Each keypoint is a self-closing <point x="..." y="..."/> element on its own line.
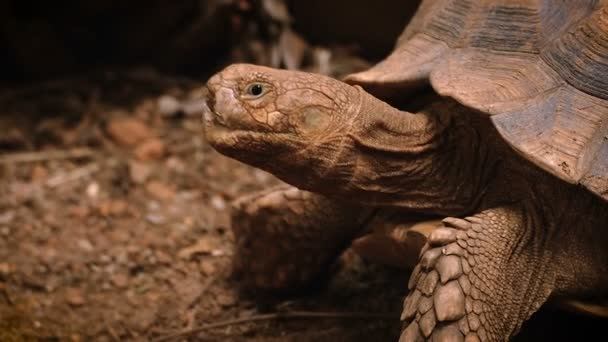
<point x="292" y="124"/>
<point x="318" y="133"/>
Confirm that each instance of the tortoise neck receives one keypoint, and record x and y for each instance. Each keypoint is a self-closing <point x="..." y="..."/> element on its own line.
<point x="429" y="162"/>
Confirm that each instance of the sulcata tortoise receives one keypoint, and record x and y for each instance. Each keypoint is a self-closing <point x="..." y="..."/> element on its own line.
<point x="511" y="149"/>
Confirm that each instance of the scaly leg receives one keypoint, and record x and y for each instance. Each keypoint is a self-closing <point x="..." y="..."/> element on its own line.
<point x="478" y="279"/>
<point x="286" y="237"/>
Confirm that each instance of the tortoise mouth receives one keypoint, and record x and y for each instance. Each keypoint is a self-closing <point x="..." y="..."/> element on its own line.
<point x="217" y="129"/>
<point x="214" y="122"/>
<point x="210" y="114"/>
<point x="227" y="136"/>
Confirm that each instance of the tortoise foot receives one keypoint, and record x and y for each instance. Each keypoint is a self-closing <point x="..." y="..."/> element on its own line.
<point x="440" y="306"/>
<point x="471" y="282"/>
<point x="286" y="238"/>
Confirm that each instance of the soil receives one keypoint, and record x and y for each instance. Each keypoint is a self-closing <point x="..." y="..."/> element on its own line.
<point x="129" y="239"/>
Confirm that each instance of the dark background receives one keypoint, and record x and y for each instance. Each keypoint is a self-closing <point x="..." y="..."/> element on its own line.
<point x="50" y="39"/>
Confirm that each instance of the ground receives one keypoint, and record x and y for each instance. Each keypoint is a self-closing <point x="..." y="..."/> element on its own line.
<point x="125" y="234"/>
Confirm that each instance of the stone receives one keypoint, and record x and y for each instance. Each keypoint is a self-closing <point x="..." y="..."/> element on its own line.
<point x="127" y="131"/>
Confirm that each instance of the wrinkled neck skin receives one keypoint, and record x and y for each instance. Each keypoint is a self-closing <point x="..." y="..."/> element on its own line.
<point x="424" y="162"/>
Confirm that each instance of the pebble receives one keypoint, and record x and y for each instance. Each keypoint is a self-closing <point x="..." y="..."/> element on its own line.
<point x="139" y="172"/>
<point x="7" y="217"/>
<point x="85" y="245"/>
<point x="120" y="280"/>
<point x="217" y="202"/>
<point x="155" y="218"/>
<point x="127" y="131"/>
<point x="93" y="190"/>
<point x="75" y="297"/>
<point x="168" y="106"/>
<point x="5" y="269"/>
<point x="160" y="191"/>
<point x="150" y="149"/>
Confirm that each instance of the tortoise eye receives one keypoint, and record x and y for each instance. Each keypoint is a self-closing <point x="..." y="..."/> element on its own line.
<point x="255" y="89"/>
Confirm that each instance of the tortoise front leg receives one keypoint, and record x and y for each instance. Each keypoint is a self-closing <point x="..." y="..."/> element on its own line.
<point x="478" y="279"/>
<point x="286" y="238"/>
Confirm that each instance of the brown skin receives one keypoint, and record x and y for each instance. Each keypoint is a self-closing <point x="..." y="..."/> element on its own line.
<point x="517" y="236"/>
<point x="325" y="136"/>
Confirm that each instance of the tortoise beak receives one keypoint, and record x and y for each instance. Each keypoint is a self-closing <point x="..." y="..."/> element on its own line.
<point x="210" y="114"/>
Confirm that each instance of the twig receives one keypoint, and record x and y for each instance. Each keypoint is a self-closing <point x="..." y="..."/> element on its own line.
<point x="112" y="333"/>
<point x="6" y="296"/>
<point x="76" y="174"/>
<point x="206" y="287"/>
<point x="29" y="157"/>
<point x="272" y="316"/>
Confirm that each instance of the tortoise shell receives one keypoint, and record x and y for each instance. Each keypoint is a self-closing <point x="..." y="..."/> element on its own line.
<point x="538" y="67"/>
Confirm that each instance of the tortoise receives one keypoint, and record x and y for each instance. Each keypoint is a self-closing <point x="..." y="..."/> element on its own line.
<point x="510" y="149"/>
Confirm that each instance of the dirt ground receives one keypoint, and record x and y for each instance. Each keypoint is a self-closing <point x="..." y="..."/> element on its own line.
<point x="125" y="234"/>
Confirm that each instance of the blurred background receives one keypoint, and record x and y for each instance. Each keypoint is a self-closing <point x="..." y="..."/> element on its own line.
<point x="190" y="37"/>
<point x="114" y="212"/>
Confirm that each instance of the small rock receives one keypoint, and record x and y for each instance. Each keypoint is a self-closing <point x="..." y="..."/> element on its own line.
<point x="105" y="259"/>
<point x="120" y="280"/>
<point x="75" y="297"/>
<point x="93" y="190"/>
<point x="139" y="172"/>
<point x="38" y="174"/>
<point x="204" y="245"/>
<point x="163" y="257"/>
<point x="155" y="218"/>
<point x="160" y="191"/>
<point x="176" y="164"/>
<point x="5" y="269"/>
<point x="217" y="202"/>
<point x="153" y="206"/>
<point x="262" y="176"/>
<point x="218" y="252"/>
<point x="128" y="131"/>
<point x="85" y="245"/>
<point x="194" y="107"/>
<point x="150" y="149"/>
<point x="48" y="256"/>
<point x="113" y="207"/>
<point x="141" y="320"/>
<point x="78" y="211"/>
<point x="207" y="267"/>
<point x="24" y="192"/>
<point x="168" y="106"/>
<point x="226" y="299"/>
<point x="7" y="217"/>
<point x="189" y="221"/>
